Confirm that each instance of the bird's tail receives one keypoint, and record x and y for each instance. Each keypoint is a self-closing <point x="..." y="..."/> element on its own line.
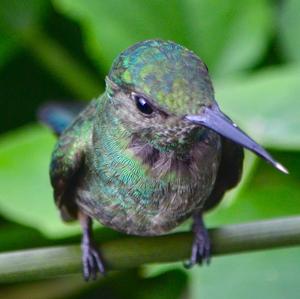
<point x="59" y="115"/>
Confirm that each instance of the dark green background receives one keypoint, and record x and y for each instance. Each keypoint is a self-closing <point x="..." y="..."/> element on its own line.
<point x="62" y="49"/>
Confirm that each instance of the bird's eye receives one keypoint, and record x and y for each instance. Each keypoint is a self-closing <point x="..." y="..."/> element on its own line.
<point x="142" y="104"/>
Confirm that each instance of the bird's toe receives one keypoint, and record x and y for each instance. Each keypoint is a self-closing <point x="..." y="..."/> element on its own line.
<point x="92" y="262"/>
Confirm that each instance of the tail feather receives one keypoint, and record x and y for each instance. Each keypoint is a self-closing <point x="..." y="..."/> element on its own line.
<point x="59" y="115"/>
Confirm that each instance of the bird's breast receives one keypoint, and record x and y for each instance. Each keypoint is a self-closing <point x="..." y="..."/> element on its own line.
<point x="141" y="191"/>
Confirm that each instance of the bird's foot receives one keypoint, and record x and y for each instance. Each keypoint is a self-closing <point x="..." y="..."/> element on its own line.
<point x="201" y="248"/>
<point x="92" y="261"/>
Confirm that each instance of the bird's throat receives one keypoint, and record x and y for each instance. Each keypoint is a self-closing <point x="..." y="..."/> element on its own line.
<point x="166" y="161"/>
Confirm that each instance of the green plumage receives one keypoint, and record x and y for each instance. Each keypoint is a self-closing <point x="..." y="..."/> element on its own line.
<point x="168" y="73"/>
<point x="111" y="146"/>
<point x="150" y="152"/>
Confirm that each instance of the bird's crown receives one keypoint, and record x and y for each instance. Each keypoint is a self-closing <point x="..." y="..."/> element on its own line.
<point x="171" y="75"/>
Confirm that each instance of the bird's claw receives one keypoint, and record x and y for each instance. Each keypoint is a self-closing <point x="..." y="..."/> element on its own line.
<point x="92" y="262"/>
<point x="201" y="248"/>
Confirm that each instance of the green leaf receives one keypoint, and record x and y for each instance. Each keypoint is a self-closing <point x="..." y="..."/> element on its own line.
<point x="266" y="105"/>
<point x="131" y="284"/>
<point x="290" y="29"/>
<point x="269" y="274"/>
<point x="7" y="49"/>
<point x="112" y="26"/>
<point x="15" y="237"/>
<point x="169" y="285"/>
<point x="19" y="17"/>
<point x="229" y="35"/>
<point x="25" y="191"/>
<point x="66" y="287"/>
<point x="268" y="194"/>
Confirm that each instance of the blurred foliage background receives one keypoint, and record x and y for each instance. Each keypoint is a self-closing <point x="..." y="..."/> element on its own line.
<point x="62" y="49"/>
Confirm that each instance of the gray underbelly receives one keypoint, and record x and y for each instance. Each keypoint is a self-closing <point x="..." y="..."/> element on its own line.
<point x="156" y="216"/>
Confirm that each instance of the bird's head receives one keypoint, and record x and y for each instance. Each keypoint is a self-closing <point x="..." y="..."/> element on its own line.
<point x="162" y="93"/>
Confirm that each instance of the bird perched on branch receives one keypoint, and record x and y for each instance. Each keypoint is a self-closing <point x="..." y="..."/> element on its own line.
<point x="153" y="150"/>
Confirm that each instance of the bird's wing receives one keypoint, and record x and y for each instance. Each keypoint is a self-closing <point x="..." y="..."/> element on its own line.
<point x="67" y="162"/>
<point x="59" y="115"/>
<point x="229" y="174"/>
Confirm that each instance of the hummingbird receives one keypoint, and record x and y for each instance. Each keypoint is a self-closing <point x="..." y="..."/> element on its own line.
<point x="152" y="151"/>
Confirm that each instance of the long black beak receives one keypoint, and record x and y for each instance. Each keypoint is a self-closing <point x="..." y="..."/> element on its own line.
<point x="214" y="119"/>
